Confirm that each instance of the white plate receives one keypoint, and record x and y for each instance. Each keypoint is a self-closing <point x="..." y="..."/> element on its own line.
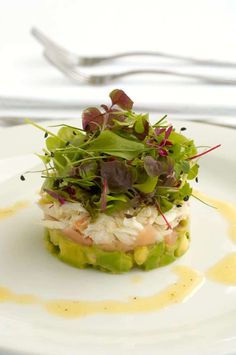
<point x="203" y="324"/>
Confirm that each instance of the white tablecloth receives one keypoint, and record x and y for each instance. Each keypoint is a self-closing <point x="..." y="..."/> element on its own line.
<point x="204" y="28"/>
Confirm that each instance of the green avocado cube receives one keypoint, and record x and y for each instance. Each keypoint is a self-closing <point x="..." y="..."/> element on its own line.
<point x="153" y="259"/>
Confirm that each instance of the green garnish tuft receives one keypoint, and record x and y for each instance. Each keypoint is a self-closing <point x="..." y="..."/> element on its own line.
<point x="118" y="160"/>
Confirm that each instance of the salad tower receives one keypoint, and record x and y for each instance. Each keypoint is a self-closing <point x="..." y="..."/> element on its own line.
<point x="115" y="193"/>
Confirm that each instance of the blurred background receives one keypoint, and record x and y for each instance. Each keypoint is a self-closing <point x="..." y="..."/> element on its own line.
<point x="202" y="29"/>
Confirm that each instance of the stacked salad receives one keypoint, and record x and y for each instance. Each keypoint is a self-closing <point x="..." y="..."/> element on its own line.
<point x="115" y="193"/>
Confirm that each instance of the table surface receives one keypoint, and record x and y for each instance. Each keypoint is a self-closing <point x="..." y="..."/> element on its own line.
<point x="205" y="28"/>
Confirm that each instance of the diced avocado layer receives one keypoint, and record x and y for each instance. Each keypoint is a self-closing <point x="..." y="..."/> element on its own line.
<point x="116" y="262"/>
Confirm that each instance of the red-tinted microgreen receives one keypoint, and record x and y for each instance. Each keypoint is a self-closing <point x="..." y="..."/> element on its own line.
<point x="117" y="175"/>
<point x="105" y="107"/>
<point x="159" y="130"/>
<point x="203" y="153"/>
<point x="56" y="196"/>
<point x="169" y="143"/>
<point x="162" y="152"/>
<point x="167" y="134"/>
<point x="92" y="118"/>
<point x="119" y="98"/>
<point x="164" y="217"/>
<point x="152" y="166"/>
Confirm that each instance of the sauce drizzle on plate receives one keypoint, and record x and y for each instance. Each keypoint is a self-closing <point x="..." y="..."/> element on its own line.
<point x="224" y="271"/>
<point x="226" y="209"/>
<point x="11" y="210"/>
<point x="177" y="292"/>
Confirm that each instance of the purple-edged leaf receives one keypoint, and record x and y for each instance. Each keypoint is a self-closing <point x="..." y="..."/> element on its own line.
<point x="105" y="107"/>
<point x="87" y="169"/>
<point x="169" y="143"/>
<point x="117" y="174"/>
<point x="92" y="118"/>
<point x="56" y="196"/>
<point x="115" y="114"/>
<point x="162" y="152"/>
<point x="152" y="166"/>
<point x="159" y="130"/>
<point x="119" y="98"/>
<point x="168" y="132"/>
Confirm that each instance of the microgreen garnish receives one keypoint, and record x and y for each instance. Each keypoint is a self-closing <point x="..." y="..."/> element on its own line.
<point x="118" y="160"/>
<point x="203" y="153"/>
<point x="164" y="217"/>
<point x="205" y="203"/>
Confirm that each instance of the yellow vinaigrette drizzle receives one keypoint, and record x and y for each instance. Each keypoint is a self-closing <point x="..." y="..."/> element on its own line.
<point x="11" y="210"/>
<point x="224" y="272"/>
<point x="175" y="293"/>
<point x="226" y="209"/>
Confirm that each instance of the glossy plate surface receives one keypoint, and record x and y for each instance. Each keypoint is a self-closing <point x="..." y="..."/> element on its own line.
<point x="204" y="324"/>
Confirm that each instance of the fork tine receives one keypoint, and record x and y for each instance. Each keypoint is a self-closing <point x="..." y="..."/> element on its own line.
<point x="45" y="40"/>
<point x="65" y="55"/>
<point x="69" y="71"/>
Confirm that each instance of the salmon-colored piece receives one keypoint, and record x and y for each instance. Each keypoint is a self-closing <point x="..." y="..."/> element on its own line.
<point x="170" y="239"/>
<point x="77" y="237"/>
<point x="146" y="237"/>
<point x="81" y="224"/>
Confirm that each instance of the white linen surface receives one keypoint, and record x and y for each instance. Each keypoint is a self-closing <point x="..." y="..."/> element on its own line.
<point x="204" y="28"/>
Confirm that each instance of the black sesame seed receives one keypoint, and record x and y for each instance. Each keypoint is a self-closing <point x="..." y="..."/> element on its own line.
<point x="183" y="128"/>
<point x="186" y="198"/>
<point x="74" y="133"/>
<point x="196" y="179"/>
<point x="22" y="178"/>
<point x="46" y="134"/>
<point x="67" y="143"/>
<point x="178" y="206"/>
<point x="127" y="215"/>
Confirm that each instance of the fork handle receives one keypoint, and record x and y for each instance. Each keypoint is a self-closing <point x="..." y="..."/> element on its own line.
<point x="192" y="60"/>
<point x="101" y="79"/>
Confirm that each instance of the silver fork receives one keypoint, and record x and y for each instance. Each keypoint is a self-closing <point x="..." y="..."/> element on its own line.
<point x="88" y="61"/>
<point x="70" y="70"/>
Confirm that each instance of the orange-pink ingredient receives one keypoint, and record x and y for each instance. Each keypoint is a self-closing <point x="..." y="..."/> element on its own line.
<point x="77" y="236"/>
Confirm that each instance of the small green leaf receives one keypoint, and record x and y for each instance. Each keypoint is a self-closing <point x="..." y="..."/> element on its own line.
<point x="193" y="172"/>
<point x="185" y="166"/>
<point x="45" y="158"/>
<point x="53" y="143"/>
<point x="148" y="186"/>
<point x="110" y="143"/>
<point x="139" y="126"/>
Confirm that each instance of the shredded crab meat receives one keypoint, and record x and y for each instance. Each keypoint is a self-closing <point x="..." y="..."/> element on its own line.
<point x="117" y="231"/>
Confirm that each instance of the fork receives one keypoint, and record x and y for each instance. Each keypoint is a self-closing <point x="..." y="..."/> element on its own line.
<point x="70" y="70"/>
<point x="88" y="61"/>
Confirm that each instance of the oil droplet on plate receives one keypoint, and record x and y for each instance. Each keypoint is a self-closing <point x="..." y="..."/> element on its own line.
<point x="224" y="271"/>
